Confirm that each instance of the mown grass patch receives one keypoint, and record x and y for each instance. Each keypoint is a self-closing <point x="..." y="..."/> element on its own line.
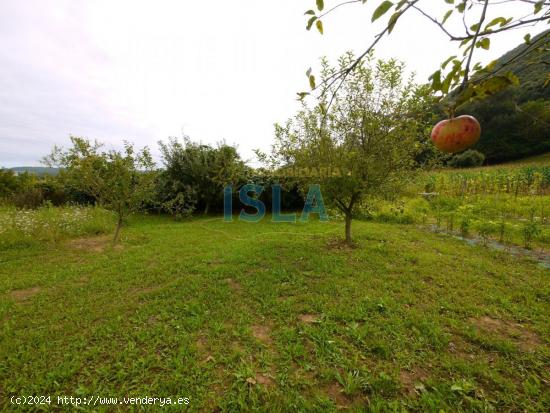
<point x="276" y="317"/>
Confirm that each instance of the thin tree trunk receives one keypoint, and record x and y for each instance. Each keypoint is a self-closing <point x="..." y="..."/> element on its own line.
<point x="117" y="231"/>
<point x="206" y="208"/>
<point x="348" y="229"/>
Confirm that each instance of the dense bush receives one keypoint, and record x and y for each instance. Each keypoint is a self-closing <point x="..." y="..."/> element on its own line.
<point x="194" y="176"/>
<point x="467" y="159"/>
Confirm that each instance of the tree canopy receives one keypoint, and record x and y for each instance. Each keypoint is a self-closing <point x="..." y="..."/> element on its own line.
<point x="363" y="145"/>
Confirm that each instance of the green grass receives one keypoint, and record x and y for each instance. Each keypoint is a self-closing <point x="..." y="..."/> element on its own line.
<point x="538" y="160"/>
<point x="277" y="317"/>
<point x="28" y="227"/>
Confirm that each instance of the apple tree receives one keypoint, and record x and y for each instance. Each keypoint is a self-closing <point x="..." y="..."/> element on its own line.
<point x="120" y="181"/>
<point x="363" y="145"/>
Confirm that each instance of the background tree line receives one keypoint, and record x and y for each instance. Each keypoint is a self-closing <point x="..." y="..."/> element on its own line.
<point x="374" y="127"/>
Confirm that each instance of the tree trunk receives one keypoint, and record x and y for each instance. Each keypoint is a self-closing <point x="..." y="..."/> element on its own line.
<point x="348" y="229"/>
<point x="117" y="231"/>
<point x="206" y="208"/>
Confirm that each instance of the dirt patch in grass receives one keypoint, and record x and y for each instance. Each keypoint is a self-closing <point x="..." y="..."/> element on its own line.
<point x="334" y="392"/>
<point x="234" y="285"/>
<point x="81" y="282"/>
<point x="460" y="348"/>
<point x="94" y="244"/>
<point x="309" y="318"/>
<point x="202" y="344"/>
<point x="412" y="378"/>
<point x="145" y="290"/>
<point x="263" y="380"/>
<point x="261" y="333"/>
<point x="24" y="294"/>
<point x="339" y="244"/>
<point x="526" y="339"/>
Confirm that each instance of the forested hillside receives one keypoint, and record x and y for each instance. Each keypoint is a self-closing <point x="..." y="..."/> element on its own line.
<point x="516" y="122"/>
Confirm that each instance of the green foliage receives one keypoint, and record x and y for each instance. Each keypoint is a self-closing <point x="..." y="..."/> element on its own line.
<point x="364" y="132"/>
<point x="122" y="182"/>
<point x="8" y="182"/>
<point x="195" y="175"/>
<point x="467" y="159"/>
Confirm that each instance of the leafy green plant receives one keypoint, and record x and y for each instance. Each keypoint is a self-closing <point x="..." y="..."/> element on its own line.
<point x="467" y="159"/>
<point x="530" y="230"/>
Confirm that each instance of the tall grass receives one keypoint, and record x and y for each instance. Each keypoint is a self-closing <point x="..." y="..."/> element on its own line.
<point x="510" y="205"/>
<point x="24" y="227"/>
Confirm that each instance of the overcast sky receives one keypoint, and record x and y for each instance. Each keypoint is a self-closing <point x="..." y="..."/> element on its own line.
<point x="214" y="70"/>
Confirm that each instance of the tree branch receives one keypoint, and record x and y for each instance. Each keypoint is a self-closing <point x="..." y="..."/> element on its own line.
<point x="473" y="45"/>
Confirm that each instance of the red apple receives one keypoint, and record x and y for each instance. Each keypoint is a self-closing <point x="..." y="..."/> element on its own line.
<point x="456" y="134"/>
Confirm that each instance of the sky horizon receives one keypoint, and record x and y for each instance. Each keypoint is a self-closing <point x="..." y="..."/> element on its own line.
<point x="215" y="71"/>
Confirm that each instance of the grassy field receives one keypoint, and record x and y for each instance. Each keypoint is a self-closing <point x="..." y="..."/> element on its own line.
<point x="276" y="317"/>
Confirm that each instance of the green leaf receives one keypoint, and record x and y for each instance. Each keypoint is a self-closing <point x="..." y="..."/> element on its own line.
<point x="446" y="16"/>
<point x="538" y="6"/>
<point x="495" y="21"/>
<point x="302" y="95"/>
<point x="393" y="20"/>
<point x="446" y="84"/>
<point x="310" y="22"/>
<point x="474" y="27"/>
<point x="436" y="80"/>
<point x="311" y="12"/>
<point x="319" y="25"/>
<point x="527" y="38"/>
<point x="320" y="5"/>
<point x="381" y="10"/>
<point x="400" y="4"/>
<point x="461" y="7"/>
<point x="450" y="1"/>
<point x="484" y="43"/>
<point x="312" y="81"/>
<point x="446" y="62"/>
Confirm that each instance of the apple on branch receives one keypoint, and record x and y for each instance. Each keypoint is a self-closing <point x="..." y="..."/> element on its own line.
<point x="456" y="134"/>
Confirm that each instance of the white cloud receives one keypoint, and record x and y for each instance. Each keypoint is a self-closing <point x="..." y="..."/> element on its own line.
<point x="143" y="71"/>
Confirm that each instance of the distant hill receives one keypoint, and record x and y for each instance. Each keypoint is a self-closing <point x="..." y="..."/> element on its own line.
<point x="515" y="123"/>
<point x="36" y="170"/>
<point x="532" y="70"/>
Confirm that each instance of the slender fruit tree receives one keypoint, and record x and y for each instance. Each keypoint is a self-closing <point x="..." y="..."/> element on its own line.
<point x="119" y="181"/>
<point x="363" y="145"/>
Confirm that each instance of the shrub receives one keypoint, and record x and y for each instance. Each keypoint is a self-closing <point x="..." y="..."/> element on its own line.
<point x="468" y="159"/>
<point x="27" y="198"/>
